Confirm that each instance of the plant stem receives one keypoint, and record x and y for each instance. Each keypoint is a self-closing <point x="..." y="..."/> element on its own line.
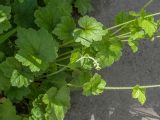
<point x="65" y="44"/>
<point x="64" y="58"/>
<point x="5" y="36"/>
<point x="147" y="4"/>
<point x="62" y="65"/>
<point x="119" y="88"/>
<point x="75" y="86"/>
<point x="119" y="30"/>
<point x="130" y="88"/>
<point x="113" y="27"/>
<point x="122" y="35"/>
<point x="66" y="53"/>
<point x="60" y="70"/>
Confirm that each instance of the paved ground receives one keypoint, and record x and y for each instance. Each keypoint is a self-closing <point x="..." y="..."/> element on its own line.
<point x="142" y="67"/>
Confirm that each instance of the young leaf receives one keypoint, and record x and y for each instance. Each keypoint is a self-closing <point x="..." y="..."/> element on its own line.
<point x="134" y="45"/>
<point x="95" y="86"/>
<point x="90" y="31"/>
<point x="65" y="28"/>
<point x="108" y="51"/>
<point x="47" y="17"/>
<point x="8" y="111"/>
<point x="84" y="6"/>
<point x="4" y="18"/>
<point x="150" y="27"/>
<point x="139" y="93"/>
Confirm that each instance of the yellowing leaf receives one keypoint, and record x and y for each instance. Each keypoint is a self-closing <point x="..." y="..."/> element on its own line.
<point x="18" y="80"/>
<point x="148" y="26"/>
<point x="139" y="93"/>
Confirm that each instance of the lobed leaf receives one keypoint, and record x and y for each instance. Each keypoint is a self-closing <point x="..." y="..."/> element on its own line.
<point x="95" y="86"/>
<point x="90" y="30"/>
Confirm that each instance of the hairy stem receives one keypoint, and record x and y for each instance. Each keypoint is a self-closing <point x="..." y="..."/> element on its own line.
<point x="130" y="88"/>
<point x="54" y="73"/>
<point x="125" y="23"/>
<point x="119" y="87"/>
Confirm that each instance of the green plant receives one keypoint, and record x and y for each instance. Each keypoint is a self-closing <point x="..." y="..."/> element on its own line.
<point x="47" y="49"/>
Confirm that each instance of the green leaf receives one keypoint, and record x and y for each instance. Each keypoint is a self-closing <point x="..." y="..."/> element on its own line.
<point x="38" y="110"/>
<point x="57" y="80"/>
<point x="75" y="55"/>
<point x="90" y="31"/>
<point x="65" y="28"/>
<point x="8" y="111"/>
<point x="139" y="93"/>
<point x="150" y="27"/>
<point x="81" y="77"/>
<point x="18" y="80"/>
<point x="4" y="82"/>
<point x="57" y="103"/>
<point x="108" y="51"/>
<point x="95" y="86"/>
<point x="4" y="18"/>
<point x="84" y="6"/>
<point x="26" y="62"/>
<point x="47" y="17"/>
<point x="17" y="94"/>
<point x="37" y="48"/>
<point x="13" y="70"/>
<point x="137" y="35"/>
<point x="2" y="56"/>
<point x="24" y="12"/>
<point x="134" y="45"/>
<point x="122" y="17"/>
<point x="8" y="66"/>
<point x="63" y="96"/>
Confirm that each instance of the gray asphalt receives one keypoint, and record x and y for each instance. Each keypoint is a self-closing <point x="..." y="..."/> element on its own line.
<point x="142" y="67"/>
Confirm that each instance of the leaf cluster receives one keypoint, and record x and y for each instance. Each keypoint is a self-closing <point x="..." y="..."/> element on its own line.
<point x="46" y="52"/>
